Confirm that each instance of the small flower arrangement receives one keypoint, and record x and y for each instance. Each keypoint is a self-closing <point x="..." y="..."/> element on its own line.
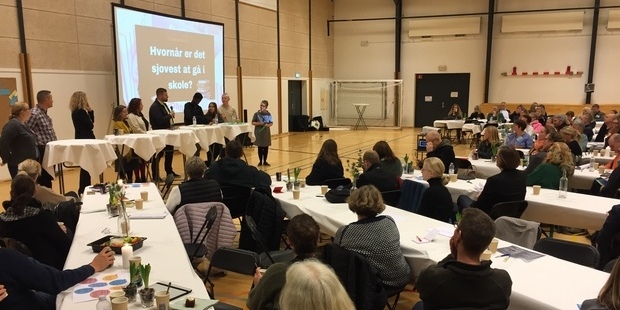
<point x="408" y="164"/>
<point x="354" y="167"/>
<point x="117" y="192"/>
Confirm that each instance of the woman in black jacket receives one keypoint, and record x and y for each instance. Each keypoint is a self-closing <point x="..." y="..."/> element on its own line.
<point x="83" y="121"/>
<point x="436" y="201"/>
<point x="327" y="165"/>
<point x="490" y="138"/>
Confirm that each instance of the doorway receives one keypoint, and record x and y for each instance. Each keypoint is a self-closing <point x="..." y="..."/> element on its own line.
<point x="295" y="106"/>
<point x="435" y="93"/>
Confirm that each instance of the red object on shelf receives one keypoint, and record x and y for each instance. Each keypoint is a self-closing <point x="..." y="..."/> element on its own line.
<point x="546" y="73"/>
<point x="556" y="72"/>
<point x="535" y="73"/>
<point x="523" y="73"/>
<point x="568" y="70"/>
<point x="514" y="70"/>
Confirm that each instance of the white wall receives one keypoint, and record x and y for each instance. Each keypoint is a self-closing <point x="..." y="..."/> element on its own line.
<point x="528" y="52"/>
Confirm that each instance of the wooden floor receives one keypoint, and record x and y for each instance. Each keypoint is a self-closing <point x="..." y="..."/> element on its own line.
<point x="298" y="150"/>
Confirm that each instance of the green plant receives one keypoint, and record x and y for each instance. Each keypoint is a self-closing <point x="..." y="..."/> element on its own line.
<point x="296" y="172"/>
<point x="145" y="271"/>
<point x="408" y="164"/>
<point x="116" y="192"/>
<point x="495" y="148"/>
<point x="134" y="272"/>
<point x="354" y="167"/>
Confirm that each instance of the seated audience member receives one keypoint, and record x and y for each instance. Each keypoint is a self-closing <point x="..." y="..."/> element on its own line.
<point x="455" y="112"/>
<point x="374" y="175"/>
<point x="559" y="121"/>
<point x="605" y="238"/>
<point x="435" y="147"/>
<point x="48" y="198"/>
<point x="533" y="107"/>
<point x="571" y="138"/>
<point x="597" y="113"/>
<point x="519" y="138"/>
<point x="516" y="114"/>
<point x="461" y="280"/>
<point x="120" y="117"/>
<point x="375" y="237"/>
<point x="508" y="185"/>
<point x="541" y="154"/>
<point x="37" y="228"/>
<point x="602" y="132"/>
<point x="436" y="201"/>
<point x="540" y="139"/>
<point x="327" y="164"/>
<point x="33" y="285"/>
<point x="548" y="174"/>
<point x="607" y="188"/>
<point x="232" y="170"/>
<point x="195" y="190"/>
<point x="541" y="113"/>
<point x="570" y="116"/>
<point x="303" y="235"/>
<point x="614" y="145"/>
<point x="608" y="298"/>
<point x="477" y="114"/>
<point x="489" y="139"/>
<point x="212" y="116"/>
<point x="495" y="116"/>
<point x="139" y="124"/>
<point x="535" y="123"/>
<point x="312" y="285"/>
<point x="528" y="127"/>
<point x="505" y="112"/>
<point x="588" y="125"/>
<point x="612" y="129"/>
<point x="388" y="161"/>
<point x="583" y="139"/>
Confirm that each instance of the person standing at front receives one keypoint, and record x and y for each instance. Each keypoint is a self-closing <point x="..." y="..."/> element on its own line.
<point x="84" y="122"/>
<point x="17" y="142"/>
<point x="162" y="117"/>
<point x="41" y="125"/>
<point x="262" y="121"/>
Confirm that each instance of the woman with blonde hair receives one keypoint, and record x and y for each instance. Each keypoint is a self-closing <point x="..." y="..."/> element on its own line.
<point x="312" y="285"/>
<point x="489" y="139"/>
<point x="375" y="237"/>
<point x="17" y="141"/>
<point x="572" y="138"/>
<point x="84" y="122"/>
<point x="436" y="201"/>
<point x="609" y="296"/>
<point x="548" y="174"/>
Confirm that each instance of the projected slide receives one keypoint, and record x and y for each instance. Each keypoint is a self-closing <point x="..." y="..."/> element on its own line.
<point x="183" y="56"/>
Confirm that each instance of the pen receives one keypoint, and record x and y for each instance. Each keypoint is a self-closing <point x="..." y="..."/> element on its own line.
<point x="504" y="255"/>
<point x="419" y="238"/>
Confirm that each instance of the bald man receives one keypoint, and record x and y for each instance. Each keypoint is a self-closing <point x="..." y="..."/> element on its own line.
<point x="436" y="147"/>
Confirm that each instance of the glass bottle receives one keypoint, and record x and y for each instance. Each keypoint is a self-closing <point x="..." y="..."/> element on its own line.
<point x="563" y="190"/>
<point x="123" y="221"/>
<point x="103" y="303"/>
<point x="194" y="121"/>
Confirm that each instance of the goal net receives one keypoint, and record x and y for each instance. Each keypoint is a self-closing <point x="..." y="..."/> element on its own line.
<point x="382" y="100"/>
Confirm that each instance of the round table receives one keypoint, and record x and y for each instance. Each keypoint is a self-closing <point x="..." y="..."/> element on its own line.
<point x="143" y="144"/>
<point x="206" y="134"/>
<point x="185" y="140"/>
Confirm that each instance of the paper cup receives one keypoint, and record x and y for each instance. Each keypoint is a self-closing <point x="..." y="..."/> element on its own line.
<point x="324" y="189"/>
<point x="536" y="189"/>
<point x="601" y="169"/>
<point x="162" y="300"/>
<point x="116" y="294"/>
<point x="120" y="303"/>
<point x="144" y="195"/>
<point x="486" y="255"/>
<point x="296" y="193"/>
<point x="139" y="204"/>
<point x="493" y="245"/>
<point x="454" y="177"/>
<point x="595" y="152"/>
<point x="596" y="165"/>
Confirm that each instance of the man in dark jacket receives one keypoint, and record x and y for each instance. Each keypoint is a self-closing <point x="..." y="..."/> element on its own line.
<point x="435" y="147"/>
<point x="374" y="175"/>
<point x="469" y="283"/>
<point x="231" y="170"/>
<point x="193" y="109"/>
<point x="162" y="117"/>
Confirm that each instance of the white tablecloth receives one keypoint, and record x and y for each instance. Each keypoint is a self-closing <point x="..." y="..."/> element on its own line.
<point x="185" y="140"/>
<point x="206" y="134"/>
<point x="571" y="283"/>
<point x="163" y="249"/>
<point x="143" y="145"/>
<point x="91" y="155"/>
<point x="474" y="128"/>
<point x="456" y="189"/>
<point x="449" y="124"/>
<point x="232" y="130"/>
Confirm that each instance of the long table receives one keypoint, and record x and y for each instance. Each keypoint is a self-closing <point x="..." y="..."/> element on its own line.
<point x="163" y="249"/>
<point x="571" y="283"/>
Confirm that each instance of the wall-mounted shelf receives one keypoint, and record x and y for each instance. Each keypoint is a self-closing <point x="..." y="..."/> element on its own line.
<point x="544" y="74"/>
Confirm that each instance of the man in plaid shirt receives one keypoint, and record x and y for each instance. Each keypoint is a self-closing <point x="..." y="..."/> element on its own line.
<point x="41" y="124"/>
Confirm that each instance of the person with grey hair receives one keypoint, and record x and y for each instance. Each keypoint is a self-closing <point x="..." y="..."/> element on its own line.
<point x="373" y="174"/>
<point x="195" y="190"/>
<point x="580" y="127"/>
<point x="559" y="121"/>
<point x="597" y="113"/>
<point x="436" y="147"/>
<point x="588" y="123"/>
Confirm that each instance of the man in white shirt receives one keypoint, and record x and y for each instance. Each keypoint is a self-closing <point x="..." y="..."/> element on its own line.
<point x="228" y="113"/>
<point x="504" y="111"/>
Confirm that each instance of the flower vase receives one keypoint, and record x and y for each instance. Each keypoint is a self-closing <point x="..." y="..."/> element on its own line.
<point x="112" y="209"/>
<point x="131" y="291"/>
<point x="289" y="186"/>
<point x="123" y="221"/>
<point x="147" y="296"/>
<point x="296" y="185"/>
<point x="353" y="184"/>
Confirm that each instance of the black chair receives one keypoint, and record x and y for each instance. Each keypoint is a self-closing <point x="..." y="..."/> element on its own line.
<point x="391" y="198"/>
<point x="165" y="189"/>
<point x="509" y="208"/>
<point x="577" y="253"/>
<point x="610" y="265"/>
<point x="267" y="258"/>
<point x="359" y="278"/>
<point x="333" y="183"/>
<point x="235" y="198"/>
<point x="198" y="249"/>
<point x="234" y="260"/>
<point x="462" y="163"/>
